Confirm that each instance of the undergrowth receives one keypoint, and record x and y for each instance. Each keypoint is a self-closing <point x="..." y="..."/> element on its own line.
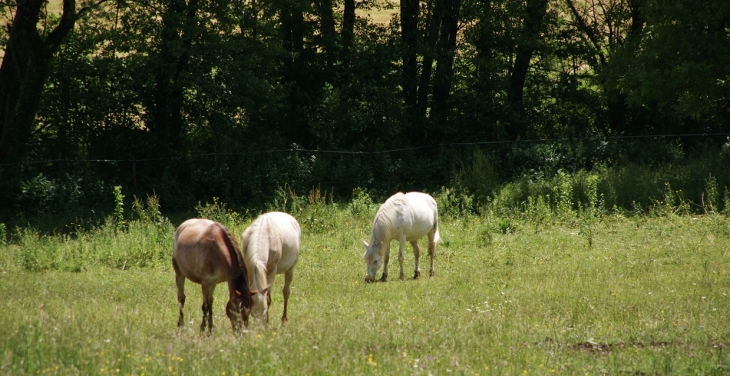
<point x="143" y="237"/>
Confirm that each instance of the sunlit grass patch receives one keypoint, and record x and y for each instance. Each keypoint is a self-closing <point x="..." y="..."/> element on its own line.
<point x="647" y="295"/>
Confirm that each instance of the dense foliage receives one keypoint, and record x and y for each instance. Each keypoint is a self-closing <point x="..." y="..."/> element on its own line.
<point x="189" y="100"/>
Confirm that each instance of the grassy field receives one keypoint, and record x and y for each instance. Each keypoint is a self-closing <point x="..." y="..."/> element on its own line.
<point x="607" y="294"/>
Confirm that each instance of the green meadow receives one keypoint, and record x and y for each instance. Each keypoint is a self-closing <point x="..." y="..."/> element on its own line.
<point x="591" y="292"/>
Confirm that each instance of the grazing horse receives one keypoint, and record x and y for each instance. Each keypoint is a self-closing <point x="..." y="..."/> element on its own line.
<point x="206" y="253"/>
<point x="270" y="247"/>
<point x="404" y="217"/>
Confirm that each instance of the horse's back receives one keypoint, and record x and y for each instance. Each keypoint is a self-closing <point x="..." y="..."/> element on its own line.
<point x="289" y="232"/>
<point x="194" y="236"/>
<point x="422" y="214"/>
<point x="280" y="234"/>
<point x="288" y="226"/>
<point x="200" y="251"/>
<point x="421" y="201"/>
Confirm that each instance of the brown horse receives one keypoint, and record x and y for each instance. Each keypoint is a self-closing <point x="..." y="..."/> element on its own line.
<point x="206" y="253"/>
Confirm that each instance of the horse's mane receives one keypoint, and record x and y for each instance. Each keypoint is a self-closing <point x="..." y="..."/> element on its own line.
<point x="253" y="236"/>
<point x="384" y="218"/>
<point x="237" y="263"/>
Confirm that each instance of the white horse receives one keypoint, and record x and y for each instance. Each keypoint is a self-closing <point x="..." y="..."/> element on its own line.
<point x="404" y="217"/>
<point x="270" y="247"/>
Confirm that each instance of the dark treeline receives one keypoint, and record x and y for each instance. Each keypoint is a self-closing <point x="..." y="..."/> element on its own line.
<point x="195" y="99"/>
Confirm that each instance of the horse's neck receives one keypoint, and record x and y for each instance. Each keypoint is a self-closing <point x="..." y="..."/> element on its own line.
<point x="259" y="277"/>
<point x="258" y="253"/>
<point x="381" y="233"/>
<point x="257" y="271"/>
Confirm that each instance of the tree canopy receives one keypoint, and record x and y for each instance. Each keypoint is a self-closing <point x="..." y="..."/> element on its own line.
<point x="194" y="97"/>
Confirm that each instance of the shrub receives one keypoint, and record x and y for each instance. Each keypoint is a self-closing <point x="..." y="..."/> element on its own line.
<point x="478" y="179"/>
<point x="217" y="211"/>
<point x="361" y="204"/>
<point x="319" y="215"/>
<point x="453" y="203"/>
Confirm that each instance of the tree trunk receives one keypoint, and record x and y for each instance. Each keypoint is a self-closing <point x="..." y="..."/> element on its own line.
<point x="445" y="61"/>
<point x="409" y="37"/>
<point x="531" y="26"/>
<point x="294" y="126"/>
<point x="348" y="33"/>
<point x="23" y="72"/>
<point x="329" y="36"/>
<point x="178" y="30"/>
<point x="484" y="43"/>
<point x="430" y="47"/>
<point x="535" y="12"/>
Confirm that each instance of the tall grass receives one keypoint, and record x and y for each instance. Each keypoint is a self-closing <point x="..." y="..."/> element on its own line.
<point x="540" y="289"/>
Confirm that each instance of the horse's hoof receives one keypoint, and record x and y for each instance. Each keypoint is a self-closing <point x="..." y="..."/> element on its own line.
<point x="417" y="274"/>
<point x="430" y="274"/>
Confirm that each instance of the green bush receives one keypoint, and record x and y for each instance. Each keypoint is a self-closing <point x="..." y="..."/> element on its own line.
<point x="362" y="204"/>
<point x="455" y="203"/>
<point x="218" y="211"/>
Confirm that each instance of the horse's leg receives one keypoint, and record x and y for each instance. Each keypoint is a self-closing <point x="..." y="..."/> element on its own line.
<point x="288" y="277"/>
<point x="401" y="245"/>
<point x="417" y="255"/>
<point x="208" y="291"/>
<point x="270" y="279"/>
<point x="386" y="259"/>
<point x="180" y="282"/>
<point x="431" y="250"/>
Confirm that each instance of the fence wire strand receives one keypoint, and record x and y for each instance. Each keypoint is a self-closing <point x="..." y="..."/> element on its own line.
<point x="376" y="152"/>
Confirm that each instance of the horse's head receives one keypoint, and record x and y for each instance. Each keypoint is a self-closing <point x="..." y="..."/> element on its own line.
<point x="260" y="306"/>
<point x="244" y="305"/>
<point x="245" y="313"/>
<point x="372" y="259"/>
<point x="260" y="309"/>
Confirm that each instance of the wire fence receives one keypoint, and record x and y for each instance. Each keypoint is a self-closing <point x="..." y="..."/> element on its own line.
<point x="376" y="152"/>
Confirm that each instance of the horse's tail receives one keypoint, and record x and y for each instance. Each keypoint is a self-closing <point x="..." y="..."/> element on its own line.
<point x="436" y="236"/>
<point x="174" y="246"/>
<point x="241" y="282"/>
<point x="252" y="242"/>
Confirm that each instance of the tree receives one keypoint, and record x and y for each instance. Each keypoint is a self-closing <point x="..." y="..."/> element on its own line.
<point x="23" y="72"/>
<point x="409" y="15"/>
<point x="607" y="26"/>
<point x="529" y="42"/>
<point x="681" y="65"/>
<point x="448" y="21"/>
<point x="179" y="29"/>
<point x="347" y="33"/>
<point x="436" y="44"/>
